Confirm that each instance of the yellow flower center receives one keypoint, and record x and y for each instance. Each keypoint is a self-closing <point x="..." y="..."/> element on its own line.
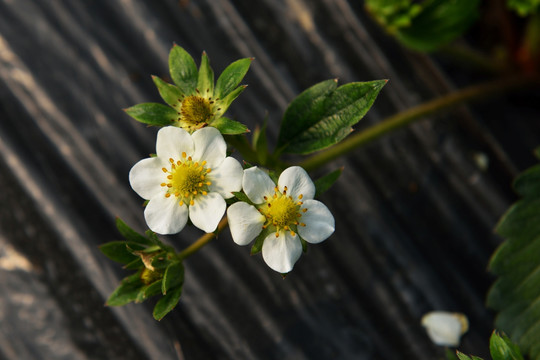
<point x="195" y="112"/>
<point x="282" y="212"/>
<point x="186" y="179"/>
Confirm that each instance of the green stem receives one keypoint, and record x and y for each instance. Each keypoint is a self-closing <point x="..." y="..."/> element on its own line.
<point x="202" y="241"/>
<point x="416" y="113"/>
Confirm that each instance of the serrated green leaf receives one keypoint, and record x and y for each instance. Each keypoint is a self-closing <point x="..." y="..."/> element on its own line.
<point x="324" y="183"/>
<point x="173" y="276"/>
<point x="205" y="82"/>
<point x="502" y="348"/>
<point x="153" y="114"/>
<point x="333" y="121"/>
<point x="120" y="251"/>
<point x="167" y="303"/>
<point x="228" y="126"/>
<point x="170" y="93"/>
<point x="131" y="235"/>
<point x="183" y="70"/>
<point x="126" y="292"/>
<point x="231" y="77"/>
<point x="515" y="295"/>
<point x="304" y="111"/>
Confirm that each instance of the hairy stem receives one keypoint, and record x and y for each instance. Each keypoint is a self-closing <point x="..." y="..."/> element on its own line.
<point x="416" y="113"/>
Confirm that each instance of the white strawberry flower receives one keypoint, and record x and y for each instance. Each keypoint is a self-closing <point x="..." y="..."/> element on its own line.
<point x="190" y="176"/>
<point x="286" y="213"/>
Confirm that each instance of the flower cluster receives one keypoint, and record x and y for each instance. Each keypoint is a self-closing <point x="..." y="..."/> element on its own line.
<point x="191" y="177"/>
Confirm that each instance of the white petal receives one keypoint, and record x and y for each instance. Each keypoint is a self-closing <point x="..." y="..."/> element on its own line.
<point x="319" y="222"/>
<point x="297" y="181"/>
<point x="172" y="141"/>
<point x="280" y="253"/>
<point x="146" y="177"/>
<point x="257" y="184"/>
<point x="227" y="177"/>
<point x="245" y="222"/>
<point x="209" y="146"/>
<point x="445" y="328"/>
<point x="207" y="211"/>
<point x="165" y="215"/>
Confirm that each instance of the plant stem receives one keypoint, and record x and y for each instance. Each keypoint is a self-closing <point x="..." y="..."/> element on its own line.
<point x="416" y="113"/>
<point x="203" y="240"/>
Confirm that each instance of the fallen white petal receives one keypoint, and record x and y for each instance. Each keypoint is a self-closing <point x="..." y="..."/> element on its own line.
<point x="445" y="328"/>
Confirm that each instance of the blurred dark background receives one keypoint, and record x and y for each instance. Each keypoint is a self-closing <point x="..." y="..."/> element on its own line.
<point x="415" y="211"/>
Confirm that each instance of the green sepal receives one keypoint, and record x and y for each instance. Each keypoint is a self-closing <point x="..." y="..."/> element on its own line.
<point x="231" y="77"/>
<point x="170" y="93"/>
<point x="120" y="251"/>
<point x="304" y="245"/>
<point x="183" y="70"/>
<point x="242" y="197"/>
<point x="160" y="261"/>
<point x="273" y="176"/>
<point x="227" y="100"/>
<point x="304" y="111"/>
<point x="148" y="291"/>
<point x="135" y="264"/>
<point x="173" y="277"/>
<point x="502" y="348"/>
<point x="131" y="235"/>
<point x="167" y="303"/>
<point x="126" y="292"/>
<point x="324" y="183"/>
<point x="228" y="126"/>
<point x="205" y="82"/>
<point x="258" y="243"/>
<point x="331" y="119"/>
<point x="153" y="114"/>
<point x="462" y="356"/>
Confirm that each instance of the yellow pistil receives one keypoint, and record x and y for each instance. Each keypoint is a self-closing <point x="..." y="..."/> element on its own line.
<point x="186" y="180"/>
<point x="281" y="212"/>
<point x="195" y="112"/>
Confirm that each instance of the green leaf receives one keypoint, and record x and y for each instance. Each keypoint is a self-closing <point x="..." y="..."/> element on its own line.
<point x="135" y="264"/>
<point x="130" y="234"/>
<point x="330" y="121"/>
<point x="153" y="114"/>
<point x="183" y="70"/>
<point x="524" y="7"/>
<point x="205" y="83"/>
<point x="324" y="183"/>
<point x="167" y="303"/>
<point x="120" y="251"/>
<point x="502" y="348"/>
<point x="425" y="25"/>
<point x="171" y="94"/>
<point x="231" y="77"/>
<point x="229" y="127"/>
<point x="462" y="356"/>
<point x="173" y="276"/>
<point x="148" y="291"/>
<point x="304" y="111"/>
<point x="126" y="292"/>
<point x="515" y="295"/>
